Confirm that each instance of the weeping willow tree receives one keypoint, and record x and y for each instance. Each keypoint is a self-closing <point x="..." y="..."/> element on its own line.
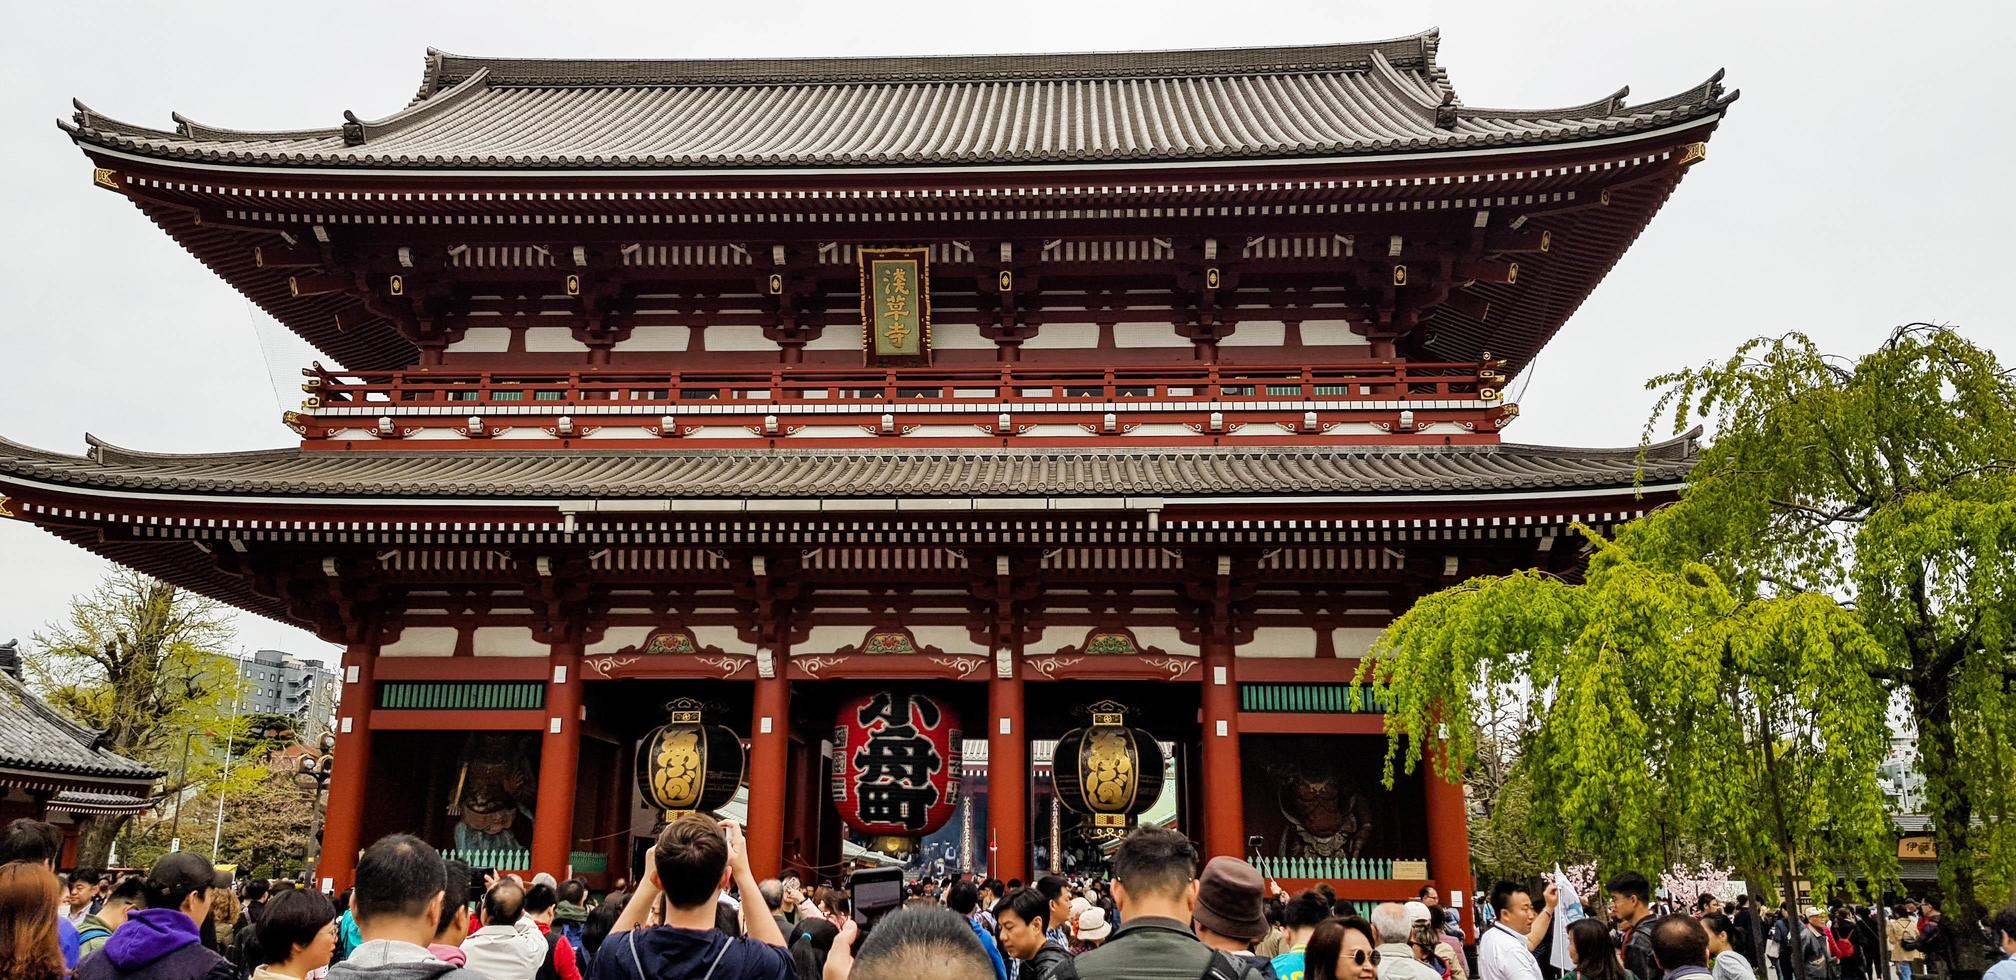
<point x="1724" y="671"/>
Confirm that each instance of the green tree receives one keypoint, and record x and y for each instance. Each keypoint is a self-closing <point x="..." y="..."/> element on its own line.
<point x="1725" y="669"/>
<point x="1890" y="482"/>
<point x="139" y="658"/>
<point x="1666" y="707"/>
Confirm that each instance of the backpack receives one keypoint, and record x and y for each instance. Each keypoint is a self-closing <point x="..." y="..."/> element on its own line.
<point x="1223" y="967"/>
<point x="1841" y="948"/>
<point x="93" y="933"/>
<point x="547" y="971"/>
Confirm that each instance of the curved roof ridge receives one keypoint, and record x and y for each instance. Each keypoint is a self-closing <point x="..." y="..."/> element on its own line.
<point x="1683" y="446"/>
<point x="421" y="110"/>
<point x="86" y="118"/>
<point x="1412" y="50"/>
<point x="191" y="129"/>
<point x="1709" y="92"/>
<point x="103" y="453"/>
<point x="1403" y="93"/>
<point x="1609" y="105"/>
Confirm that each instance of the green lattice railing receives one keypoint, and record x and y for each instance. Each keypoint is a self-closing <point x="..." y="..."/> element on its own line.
<point x="1306" y="699"/>
<point x="462" y="695"/>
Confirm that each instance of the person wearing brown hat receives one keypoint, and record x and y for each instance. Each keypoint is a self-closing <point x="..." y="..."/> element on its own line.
<point x="1230" y="912"/>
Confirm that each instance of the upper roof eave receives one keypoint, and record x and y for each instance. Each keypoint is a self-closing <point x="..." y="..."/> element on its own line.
<point x="1437" y="122"/>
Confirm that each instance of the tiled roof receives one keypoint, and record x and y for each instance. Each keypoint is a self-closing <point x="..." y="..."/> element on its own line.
<point x="37" y="738"/>
<point x="1225" y="104"/>
<point x="76" y="801"/>
<point x="794" y="473"/>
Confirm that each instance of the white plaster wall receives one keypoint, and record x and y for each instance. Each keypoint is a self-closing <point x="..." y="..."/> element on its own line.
<point x="1326" y="333"/>
<point x="826" y="639"/>
<point x="839" y="336"/>
<point x="482" y="340"/>
<point x="1169" y="638"/>
<point x="951" y="639"/>
<point x="509" y="641"/>
<point x="1064" y="336"/>
<point x="1354" y="641"/>
<point x="737" y="337"/>
<point x="1128" y="335"/>
<point x="422" y="641"/>
<point x="552" y="340"/>
<point x="1257" y="333"/>
<point x="1280" y="642"/>
<point x="657" y="338"/>
<point x="617" y="637"/>
<point x="959" y="336"/>
<point x="723" y="637"/>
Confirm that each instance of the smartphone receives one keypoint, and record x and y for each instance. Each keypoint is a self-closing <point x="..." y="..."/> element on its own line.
<point x="477" y="888"/>
<point x="876" y="892"/>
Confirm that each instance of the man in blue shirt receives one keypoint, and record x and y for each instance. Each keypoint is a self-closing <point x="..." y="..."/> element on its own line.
<point x="964" y="898"/>
<point x="33" y="840"/>
<point x="2002" y="929"/>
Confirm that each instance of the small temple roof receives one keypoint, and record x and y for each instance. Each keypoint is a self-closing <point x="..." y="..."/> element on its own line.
<point x="976" y="110"/>
<point x="507" y="475"/>
<point x="36" y="739"/>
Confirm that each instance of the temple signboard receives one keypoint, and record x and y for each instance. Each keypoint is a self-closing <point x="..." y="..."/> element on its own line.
<point x="896" y="306"/>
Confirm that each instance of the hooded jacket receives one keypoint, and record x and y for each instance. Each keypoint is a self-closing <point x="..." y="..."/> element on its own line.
<point x="388" y="960"/>
<point x="158" y="944"/>
<point x="672" y="953"/>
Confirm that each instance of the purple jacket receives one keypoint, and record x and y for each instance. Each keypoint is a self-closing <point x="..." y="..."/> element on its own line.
<point x="158" y="944"/>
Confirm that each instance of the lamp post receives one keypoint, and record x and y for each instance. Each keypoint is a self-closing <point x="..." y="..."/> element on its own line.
<point x="317" y="766"/>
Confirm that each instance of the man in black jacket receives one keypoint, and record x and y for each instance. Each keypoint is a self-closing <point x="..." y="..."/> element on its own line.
<point x="1024" y="918"/>
<point x="1154" y="887"/>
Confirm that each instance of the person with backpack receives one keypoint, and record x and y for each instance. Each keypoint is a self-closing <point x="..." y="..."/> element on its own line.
<point x="99" y="926"/>
<point x="163" y="940"/>
<point x="571" y="915"/>
<point x="540" y="903"/>
<point x="1154" y="888"/>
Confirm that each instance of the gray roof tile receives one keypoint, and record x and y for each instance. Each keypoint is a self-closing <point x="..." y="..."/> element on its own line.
<point x="38" y="738"/>
<point x="800" y="473"/>
<point x="1225" y="104"/>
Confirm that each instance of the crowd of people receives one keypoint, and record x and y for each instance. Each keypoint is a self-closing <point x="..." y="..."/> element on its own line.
<point x="699" y="913"/>
<point x="1644" y="939"/>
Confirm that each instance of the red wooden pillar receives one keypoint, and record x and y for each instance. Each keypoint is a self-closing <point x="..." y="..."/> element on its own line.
<point x="1448" y="843"/>
<point x="769" y="747"/>
<point x="1007" y="780"/>
<point x="343" y="827"/>
<point x="559" y="762"/>
<point x="1224" y="796"/>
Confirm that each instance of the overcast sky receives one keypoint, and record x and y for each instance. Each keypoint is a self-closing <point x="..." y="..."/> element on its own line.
<point x="1859" y="183"/>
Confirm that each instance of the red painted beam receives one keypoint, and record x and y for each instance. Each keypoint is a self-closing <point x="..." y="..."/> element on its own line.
<point x="456" y="721"/>
<point x="1280" y="723"/>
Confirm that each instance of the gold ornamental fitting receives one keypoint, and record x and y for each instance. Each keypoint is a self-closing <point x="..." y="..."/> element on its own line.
<point x="106" y="177"/>
<point x="892" y="845"/>
<point x="1693" y="154"/>
<point x="4" y="510"/>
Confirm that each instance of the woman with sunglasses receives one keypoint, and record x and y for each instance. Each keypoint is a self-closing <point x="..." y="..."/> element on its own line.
<point x="1342" y="949"/>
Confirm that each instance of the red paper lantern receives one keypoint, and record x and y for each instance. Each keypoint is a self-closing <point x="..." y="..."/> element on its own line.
<point x="896" y="775"/>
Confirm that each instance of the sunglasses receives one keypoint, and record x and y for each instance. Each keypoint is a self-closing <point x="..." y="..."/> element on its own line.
<point x="1360" y="957"/>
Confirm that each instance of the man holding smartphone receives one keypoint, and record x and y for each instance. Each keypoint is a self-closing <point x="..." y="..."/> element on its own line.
<point x="691" y="864"/>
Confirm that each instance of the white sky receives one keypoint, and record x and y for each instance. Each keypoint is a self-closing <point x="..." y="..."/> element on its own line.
<point x="1860" y="182"/>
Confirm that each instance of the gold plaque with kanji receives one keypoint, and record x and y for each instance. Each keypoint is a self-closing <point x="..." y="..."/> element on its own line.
<point x="895" y="306"/>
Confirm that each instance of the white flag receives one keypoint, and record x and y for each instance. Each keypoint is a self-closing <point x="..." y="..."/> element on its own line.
<point x="1570" y="910"/>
